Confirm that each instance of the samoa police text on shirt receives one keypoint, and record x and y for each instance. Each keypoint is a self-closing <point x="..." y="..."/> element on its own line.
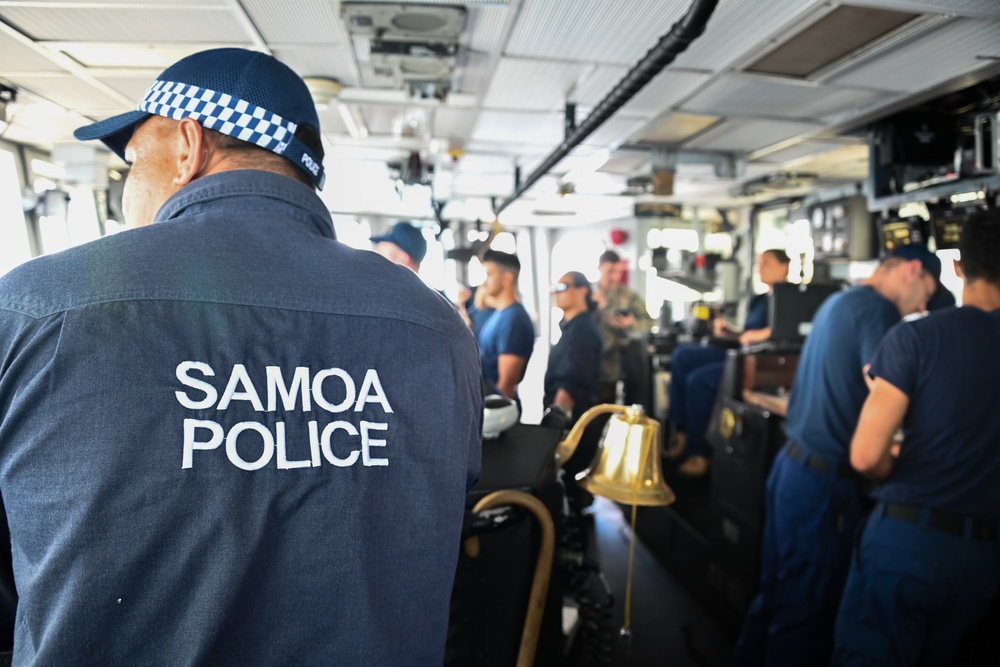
<point x="341" y="442"/>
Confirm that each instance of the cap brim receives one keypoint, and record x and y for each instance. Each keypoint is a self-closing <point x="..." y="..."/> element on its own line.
<point x="380" y="239"/>
<point x="114" y="132"/>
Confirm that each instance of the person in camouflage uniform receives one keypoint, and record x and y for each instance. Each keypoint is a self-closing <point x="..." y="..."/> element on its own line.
<point x="621" y="312"/>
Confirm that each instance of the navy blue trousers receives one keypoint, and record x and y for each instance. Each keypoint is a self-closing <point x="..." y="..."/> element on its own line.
<point x="913" y="593"/>
<point x="695" y="376"/>
<point x="809" y="526"/>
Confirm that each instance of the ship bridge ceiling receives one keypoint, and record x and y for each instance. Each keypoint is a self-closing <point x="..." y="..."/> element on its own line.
<point x="458" y="98"/>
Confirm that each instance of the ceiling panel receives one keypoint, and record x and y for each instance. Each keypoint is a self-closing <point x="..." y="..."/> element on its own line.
<point x="666" y="89"/>
<point x="626" y="162"/>
<point x="618" y="32"/>
<point x="70" y="92"/>
<point x="750" y="135"/>
<point x="297" y="21"/>
<point x="544" y="129"/>
<point x="483" y="185"/>
<point x="330" y="120"/>
<point x="615" y="131"/>
<point x="736" y="28"/>
<point x="974" y="8"/>
<point x="118" y="24"/>
<point x="931" y="59"/>
<point x="379" y="119"/>
<point x="454" y="123"/>
<point x="744" y="94"/>
<point x="474" y="76"/>
<point x="483" y="163"/>
<point x="20" y="58"/>
<point x="531" y="84"/>
<point x="332" y="61"/>
<point x="132" y="87"/>
<point x="485" y="28"/>
<point x="597" y="83"/>
<point x="138" y="56"/>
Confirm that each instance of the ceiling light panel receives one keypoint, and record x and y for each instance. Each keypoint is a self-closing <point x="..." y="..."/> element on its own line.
<point x="138" y="56"/>
<point x="540" y="129"/>
<point x="69" y="92"/>
<point x="844" y="31"/>
<point x="677" y="127"/>
<point x="798" y="151"/>
<point x="932" y="59"/>
<point x="330" y="61"/>
<point x="531" y="84"/>
<point x="750" y="135"/>
<point x="297" y="21"/>
<point x="972" y="8"/>
<point x="738" y="27"/>
<point x="740" y="94"/>
<point x="113" y="24"/>
<point x="618" y="32"/>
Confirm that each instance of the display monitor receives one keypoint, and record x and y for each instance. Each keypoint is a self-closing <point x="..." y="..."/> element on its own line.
<point x="792" y="309"/>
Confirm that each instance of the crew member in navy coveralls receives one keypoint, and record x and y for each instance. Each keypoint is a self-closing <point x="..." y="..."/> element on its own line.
<point x="929" y="560"/>
<point x="575" y="361"/>
<point x="508" y="337"/>
<point x="813" y="501"/>
<point x="217" y="446"/>
<point x="696" y="370"/>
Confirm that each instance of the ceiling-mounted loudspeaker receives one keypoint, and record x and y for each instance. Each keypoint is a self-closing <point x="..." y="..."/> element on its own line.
<point x="390" y="21"/>
<point x="663" y="183"/>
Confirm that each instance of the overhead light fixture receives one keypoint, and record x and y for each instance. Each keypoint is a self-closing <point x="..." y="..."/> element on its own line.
<point x="323" y="90"/>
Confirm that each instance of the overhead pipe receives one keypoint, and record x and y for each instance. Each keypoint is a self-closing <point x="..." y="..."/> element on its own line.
<point x="669" y="47"/>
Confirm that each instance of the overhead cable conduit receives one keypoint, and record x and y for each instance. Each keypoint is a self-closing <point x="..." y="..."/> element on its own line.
<point x="667" y="48"/>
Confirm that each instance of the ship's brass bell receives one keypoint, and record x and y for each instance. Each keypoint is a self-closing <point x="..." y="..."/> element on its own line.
<point x="627" y="467"/>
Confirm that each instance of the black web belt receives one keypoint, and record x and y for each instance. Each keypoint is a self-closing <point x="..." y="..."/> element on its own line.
<point x="797" y="452"/>
<point x="948" y="523"/>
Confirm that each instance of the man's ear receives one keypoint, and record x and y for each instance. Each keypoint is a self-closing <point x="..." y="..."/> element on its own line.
<point x="192" y="151"/>
<point x="958" y="269"/>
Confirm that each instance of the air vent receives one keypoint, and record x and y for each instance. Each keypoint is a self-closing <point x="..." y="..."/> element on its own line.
<point x="413" y="45"/>
<point x="839" y="33"/>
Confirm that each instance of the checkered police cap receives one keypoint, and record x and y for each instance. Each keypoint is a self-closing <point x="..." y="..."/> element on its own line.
<point x="244" y="94"/>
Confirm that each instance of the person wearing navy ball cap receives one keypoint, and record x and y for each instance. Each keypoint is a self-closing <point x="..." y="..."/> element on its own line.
<point x="219" y="446"/>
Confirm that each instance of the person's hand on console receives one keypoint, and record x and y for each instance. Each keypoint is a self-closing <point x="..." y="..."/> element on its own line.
<point x="755" y="336"/>
<point x="721" y="328"/>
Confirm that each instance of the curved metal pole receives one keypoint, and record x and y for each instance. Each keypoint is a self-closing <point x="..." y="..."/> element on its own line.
<point x="669" y="47"/>
<point x="543" y="565"/>
<point x="567" y="447"/>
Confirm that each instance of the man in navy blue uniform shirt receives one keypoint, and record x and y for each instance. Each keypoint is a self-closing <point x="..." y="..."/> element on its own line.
<point x="575" y="361"/>
<point x="696" y="370"/>
<point x="217" y="446"/>
<point x="929" y="560"/>
<point x="813" y="500"/>
<point x="508" y="337"/>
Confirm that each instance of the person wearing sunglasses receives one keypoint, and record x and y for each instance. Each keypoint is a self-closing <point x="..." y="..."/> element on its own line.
<point x="575" y="361"/>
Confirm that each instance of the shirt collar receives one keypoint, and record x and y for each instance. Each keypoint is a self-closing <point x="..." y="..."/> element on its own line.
<point x="249" y="183"/>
